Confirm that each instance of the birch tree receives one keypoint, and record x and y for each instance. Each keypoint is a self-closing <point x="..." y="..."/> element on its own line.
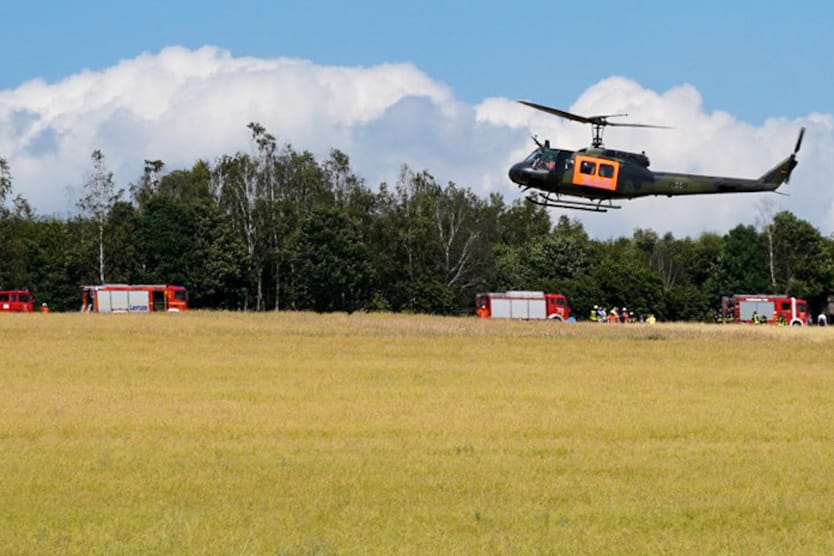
<point x="5" y="181"/>
<point x="99" y="196"/>
<point x="239" y="187"/>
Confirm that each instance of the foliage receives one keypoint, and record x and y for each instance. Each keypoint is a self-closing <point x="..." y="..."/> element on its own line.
<point x="274" y="228"/>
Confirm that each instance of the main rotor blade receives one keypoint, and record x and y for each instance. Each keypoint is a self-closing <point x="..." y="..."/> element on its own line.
<point x="557" y="112"/>
<point x="639" y="125"/>
<point x="799" y="141"/>
<point x="595" y="120"/>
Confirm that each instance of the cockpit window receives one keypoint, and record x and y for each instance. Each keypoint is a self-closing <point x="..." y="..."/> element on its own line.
<point x="533" y="156"/>
<point x="544" y="159"/>
<point x="589" y="168"/>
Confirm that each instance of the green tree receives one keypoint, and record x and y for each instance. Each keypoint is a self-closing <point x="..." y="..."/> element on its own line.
<point x="120" y="232"/>
<point x="218" y="260"/>
<point x="742" y="266"/>
<point x="802" y="265"/>
<point x="332" y="259"/>
<point x="625" y="280"/>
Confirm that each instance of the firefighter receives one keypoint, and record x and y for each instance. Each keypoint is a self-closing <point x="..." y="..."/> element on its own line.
<point x="755" y="318"/>
<point x="483" y="312"/>
<point x="44" y="308"/>
<point x="780" y="321"/>
<point x="594" y="314"/>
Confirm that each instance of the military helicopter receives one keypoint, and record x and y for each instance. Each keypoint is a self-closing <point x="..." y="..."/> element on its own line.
<point x="593" y="178"/>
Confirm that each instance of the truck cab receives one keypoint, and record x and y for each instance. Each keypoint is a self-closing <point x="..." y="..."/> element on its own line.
<point x="16" y="301"/>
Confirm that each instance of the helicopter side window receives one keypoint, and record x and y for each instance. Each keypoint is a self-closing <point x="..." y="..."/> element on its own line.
<point x="606" y="171"/>
<point x="587" y="168"/>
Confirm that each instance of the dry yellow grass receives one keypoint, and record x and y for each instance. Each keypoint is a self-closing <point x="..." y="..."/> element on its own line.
<point x="211" y="433"/>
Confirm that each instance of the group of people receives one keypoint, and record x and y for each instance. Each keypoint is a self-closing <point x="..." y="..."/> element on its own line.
<point x="756" y="318"/>
<point x="613" y="315"/>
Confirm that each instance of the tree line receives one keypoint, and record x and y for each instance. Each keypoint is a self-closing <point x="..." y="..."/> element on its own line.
<point x="273" y="228"/>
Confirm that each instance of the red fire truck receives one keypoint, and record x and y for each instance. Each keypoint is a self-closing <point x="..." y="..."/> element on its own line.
<point x="124" y="298"/>
<point x="742" y="307"/>
<point x="522" y="305"/>
<point x="16" y="301"/>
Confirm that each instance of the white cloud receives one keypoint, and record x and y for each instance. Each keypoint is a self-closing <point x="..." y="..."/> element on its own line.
<point x="180" y="105"/>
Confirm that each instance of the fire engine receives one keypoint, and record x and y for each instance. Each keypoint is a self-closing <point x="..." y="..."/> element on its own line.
<point x="740" y="308"/>
<point x="16" y="301"/>
<point x="124" y="298"/>
<point x="522" y="305"/>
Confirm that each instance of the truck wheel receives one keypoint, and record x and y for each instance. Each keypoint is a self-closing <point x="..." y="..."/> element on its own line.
<point x="796" y="322"/>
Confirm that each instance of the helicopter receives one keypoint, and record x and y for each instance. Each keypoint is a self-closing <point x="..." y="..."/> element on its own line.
<point x="593" y="178"/>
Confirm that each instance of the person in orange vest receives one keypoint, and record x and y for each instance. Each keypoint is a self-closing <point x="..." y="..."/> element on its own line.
<point x="44" y="308"/>
<point x="483" y="312"/>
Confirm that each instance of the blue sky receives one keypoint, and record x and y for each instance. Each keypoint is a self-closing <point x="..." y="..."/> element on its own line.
<point x="753" y="59"/>
<point x="742" y="76"/>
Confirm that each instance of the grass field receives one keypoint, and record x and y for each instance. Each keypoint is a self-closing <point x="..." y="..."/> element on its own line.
<point x="227" y="433"/>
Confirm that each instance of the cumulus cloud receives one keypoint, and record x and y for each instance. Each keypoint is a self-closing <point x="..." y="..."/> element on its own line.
<point x="181" y="105"/>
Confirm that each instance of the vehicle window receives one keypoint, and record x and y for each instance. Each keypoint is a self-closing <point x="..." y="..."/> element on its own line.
<point x="606" y="170"/>
<point x="179" y="295"/>
<point x="589" y="168"/>
<point x="24" y="298"/>
<point x="800" y="307"/>
<point x="786" y="306"/>
<point x="4" y="297"/>
<point x="560" y="301"/>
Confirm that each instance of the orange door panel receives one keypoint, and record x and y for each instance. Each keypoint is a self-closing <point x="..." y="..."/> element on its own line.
<point x="595" y="172"/>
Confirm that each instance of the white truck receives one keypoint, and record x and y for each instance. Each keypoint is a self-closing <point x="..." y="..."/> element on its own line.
<point x="526" y="305"/>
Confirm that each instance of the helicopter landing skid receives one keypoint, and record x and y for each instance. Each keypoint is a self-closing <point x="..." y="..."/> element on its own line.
<point x="555" y="201"/>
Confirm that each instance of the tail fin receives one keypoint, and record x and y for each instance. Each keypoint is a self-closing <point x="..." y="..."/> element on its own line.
<point x="782" y="172"/>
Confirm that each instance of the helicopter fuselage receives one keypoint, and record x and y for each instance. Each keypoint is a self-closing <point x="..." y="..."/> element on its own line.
<point x="590" y="179"/>
<point x="600" y="174"/>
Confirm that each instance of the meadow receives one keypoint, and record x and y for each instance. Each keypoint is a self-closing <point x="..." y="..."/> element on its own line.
<point x="296" y="433"/>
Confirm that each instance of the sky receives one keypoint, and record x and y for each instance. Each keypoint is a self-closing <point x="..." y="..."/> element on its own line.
<point x="429" y="84"/>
